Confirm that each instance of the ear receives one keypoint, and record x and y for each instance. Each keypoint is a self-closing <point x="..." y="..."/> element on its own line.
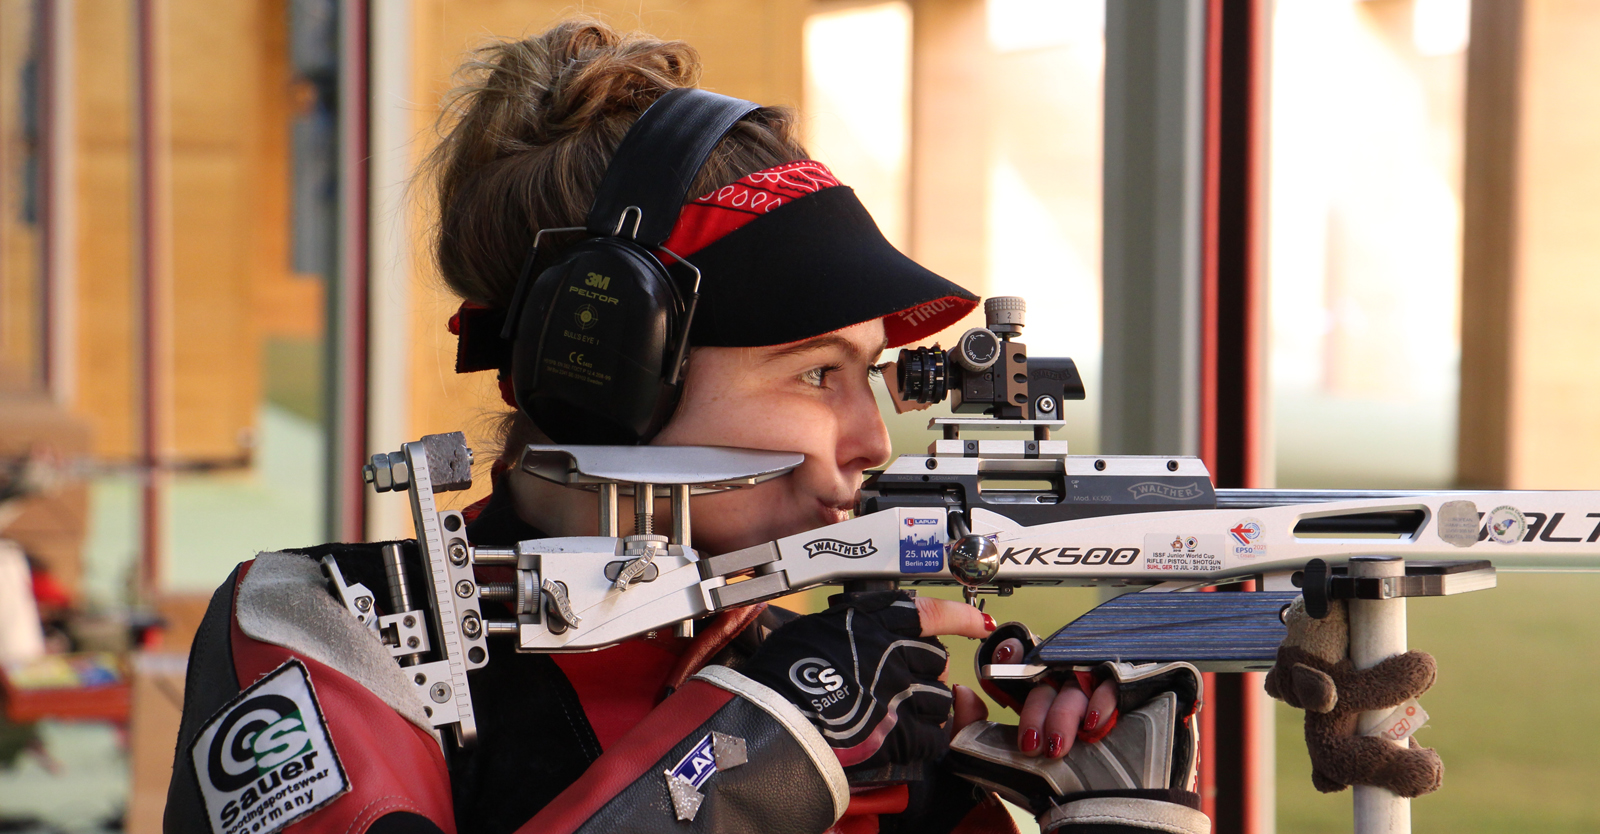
<point x="1315" y="689"/>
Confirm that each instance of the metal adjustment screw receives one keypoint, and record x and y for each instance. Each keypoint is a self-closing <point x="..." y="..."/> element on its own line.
<point x="412" y="642"/>
<point x="410" y="621"/>
<point x="464" y="589"/>
<point x="471" y="626"/>
<point x="1099" y="466"/>
<point x="369" y="473"/>
<point x="931" y="463"/>
<point x="458" y="554"/>
<point x="1172" y="466"/>
<point x="363" y="604"/>
<point x="1046" y="404"/>
<point x="439" y="692"/>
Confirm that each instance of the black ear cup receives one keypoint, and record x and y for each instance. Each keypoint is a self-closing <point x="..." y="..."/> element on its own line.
<point x="605" y="325"/>
<point x="599" y="336"/>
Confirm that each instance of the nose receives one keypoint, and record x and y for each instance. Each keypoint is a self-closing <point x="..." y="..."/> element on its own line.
<point x="863" y="441"/>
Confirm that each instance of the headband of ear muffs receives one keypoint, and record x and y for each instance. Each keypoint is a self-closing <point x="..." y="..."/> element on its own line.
<point x="600" y="338"/>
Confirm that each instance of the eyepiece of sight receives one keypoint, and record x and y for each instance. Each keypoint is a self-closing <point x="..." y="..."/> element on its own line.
<point x="923" y="375"/>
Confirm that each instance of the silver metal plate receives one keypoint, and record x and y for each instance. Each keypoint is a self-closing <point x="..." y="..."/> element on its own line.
<point x="705" y="467"/>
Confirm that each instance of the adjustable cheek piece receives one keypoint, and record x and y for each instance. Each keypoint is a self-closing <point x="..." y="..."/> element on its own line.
<point x="599" y="339"/>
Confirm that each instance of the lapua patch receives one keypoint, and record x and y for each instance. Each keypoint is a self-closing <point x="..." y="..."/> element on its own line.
<point x="265" y="760"/>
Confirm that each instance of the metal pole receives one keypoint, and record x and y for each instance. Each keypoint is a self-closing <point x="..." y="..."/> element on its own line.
<point x="1378" y="632"/>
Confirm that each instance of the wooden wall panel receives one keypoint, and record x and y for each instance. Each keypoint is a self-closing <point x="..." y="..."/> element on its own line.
<point x="1555" y="399"/>
<point x="1530" y="370"/>
<point x="220" y="138"/>
<point x="106" y="393"/>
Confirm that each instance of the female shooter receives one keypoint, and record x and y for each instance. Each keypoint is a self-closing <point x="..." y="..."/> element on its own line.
<point x="798" y="296"/>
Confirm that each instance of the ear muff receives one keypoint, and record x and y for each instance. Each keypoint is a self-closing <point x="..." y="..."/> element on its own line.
<point x="608" y="320"/>
<point x="600" y="337"/>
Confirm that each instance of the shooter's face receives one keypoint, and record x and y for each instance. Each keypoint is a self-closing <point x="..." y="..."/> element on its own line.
<point x="813" y="397"/>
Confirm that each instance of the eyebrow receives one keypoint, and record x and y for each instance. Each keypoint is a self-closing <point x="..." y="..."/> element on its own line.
<point x="823" y="342"/>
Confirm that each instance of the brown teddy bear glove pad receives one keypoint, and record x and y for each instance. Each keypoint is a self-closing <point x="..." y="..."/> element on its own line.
<point x="1314" y="673"/>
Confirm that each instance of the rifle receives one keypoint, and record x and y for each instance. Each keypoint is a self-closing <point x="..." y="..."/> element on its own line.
<point x="989" y="515"/>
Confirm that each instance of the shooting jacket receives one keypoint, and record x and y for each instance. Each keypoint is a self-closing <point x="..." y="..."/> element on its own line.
<point x="296" y="719"/>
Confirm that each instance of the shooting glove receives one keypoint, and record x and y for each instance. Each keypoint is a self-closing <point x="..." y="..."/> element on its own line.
<point x="1139" y="777"/>
<point x="1314" y="673"/>
<point x="865" y="677"/>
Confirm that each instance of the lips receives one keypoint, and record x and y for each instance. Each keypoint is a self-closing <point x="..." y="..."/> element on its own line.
<point x="833" y="512"/>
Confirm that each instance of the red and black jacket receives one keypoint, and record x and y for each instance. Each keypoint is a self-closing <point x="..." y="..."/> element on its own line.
<point x="573" y="743"/>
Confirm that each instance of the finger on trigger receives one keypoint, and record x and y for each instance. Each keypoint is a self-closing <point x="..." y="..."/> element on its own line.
<point x="946" y="617"/>
<point x="1061" y="722"/>
<point x="1031" y="719"/>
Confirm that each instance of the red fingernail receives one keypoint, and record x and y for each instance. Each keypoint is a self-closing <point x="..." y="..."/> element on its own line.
<point x="1052" y="748"/>
<point x="1092" y="721"/>
<point x="1030" y="741"/>
<point x="988" y="623"/>
<point x="1002" y="654"/>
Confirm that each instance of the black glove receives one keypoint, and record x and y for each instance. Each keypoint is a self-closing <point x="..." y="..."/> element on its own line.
<point x="864" y="675"/>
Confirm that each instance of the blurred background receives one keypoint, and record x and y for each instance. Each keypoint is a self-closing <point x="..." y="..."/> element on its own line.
<point x="216" y="302"/>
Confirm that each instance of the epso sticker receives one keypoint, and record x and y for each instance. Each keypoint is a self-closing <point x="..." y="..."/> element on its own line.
<point x="1184" y="552"/>
<point x="265" y="760"/>
<point x="1506" y="525"/>
<point x="1244" y="539"/>
<point x="922" y="541"/>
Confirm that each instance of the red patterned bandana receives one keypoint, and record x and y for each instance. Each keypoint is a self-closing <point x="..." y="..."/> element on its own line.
<point x="704" y="221"/>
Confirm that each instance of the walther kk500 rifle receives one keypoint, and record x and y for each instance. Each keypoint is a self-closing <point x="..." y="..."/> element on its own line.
<point x="989" y="515"/>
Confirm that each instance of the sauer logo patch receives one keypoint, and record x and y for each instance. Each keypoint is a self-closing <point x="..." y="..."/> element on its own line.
<point x="265" y="760"/>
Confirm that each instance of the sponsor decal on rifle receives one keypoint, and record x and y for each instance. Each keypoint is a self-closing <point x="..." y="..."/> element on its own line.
<point x="1502" y="525"/>
<point x="1067" y="556"/>
<point x="1506" y="525"/>
<point x="1458" y="523"/>
<point x="922" y="541"/>
<point x="1243" y="538"/>
<point x="1184" y="553"/>
<point x="265" y="759"/>
<point x="835" y="547"/>
<point x="1170" y="492"/>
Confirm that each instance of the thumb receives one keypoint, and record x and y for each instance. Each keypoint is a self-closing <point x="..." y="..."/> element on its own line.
<point x="968" y="709"/>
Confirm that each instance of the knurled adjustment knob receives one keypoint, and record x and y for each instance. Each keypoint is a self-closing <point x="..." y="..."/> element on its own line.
<point x="1005" y="313"/>
<point x="977" y="350"/>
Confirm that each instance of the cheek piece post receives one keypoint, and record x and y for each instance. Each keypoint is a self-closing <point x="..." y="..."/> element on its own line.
<point x="592" y="347"/>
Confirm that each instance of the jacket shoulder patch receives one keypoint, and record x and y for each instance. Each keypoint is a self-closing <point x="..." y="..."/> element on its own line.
<point x="265" y="759"/>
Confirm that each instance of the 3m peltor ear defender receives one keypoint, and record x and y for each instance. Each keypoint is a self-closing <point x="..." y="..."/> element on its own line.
<point x="599" y="339"/>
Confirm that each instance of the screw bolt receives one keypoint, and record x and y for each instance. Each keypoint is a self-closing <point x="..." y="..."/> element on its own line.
<point x="412" y="642"/>
<point x="1172" y="466"/>
<point x="458" y="554"/>
<point x="410" y="621"/>
<point x="420" y="679"/>
<point x="471" y="626"/>
<point x="440" y="692"/>
<point x="363" y="604"/>
<point x="464" y="589"/>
